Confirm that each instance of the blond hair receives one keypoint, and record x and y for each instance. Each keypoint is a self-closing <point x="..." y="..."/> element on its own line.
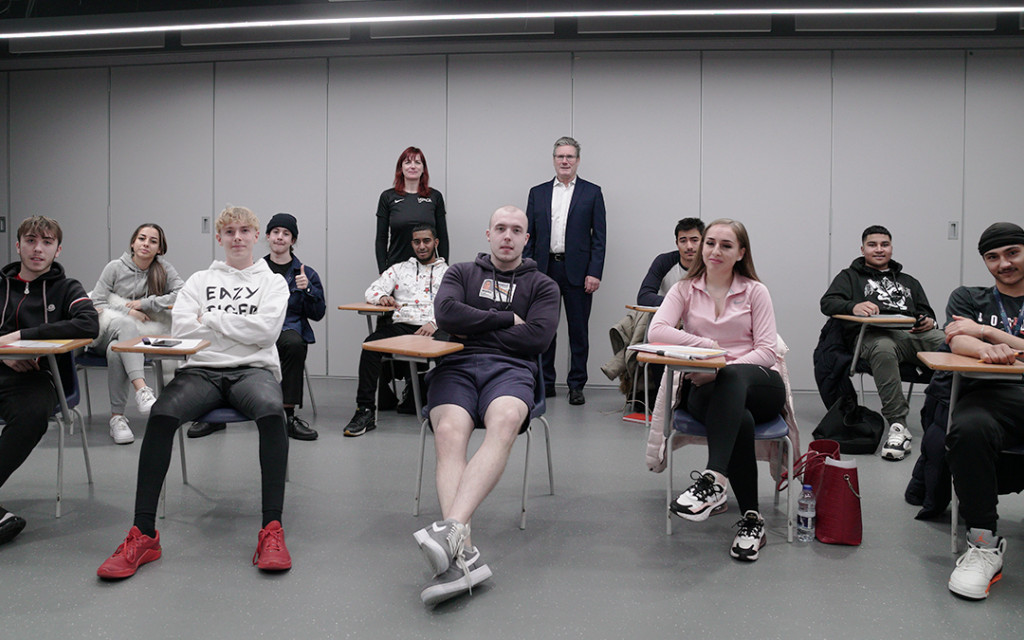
<point x="237" y="215"/>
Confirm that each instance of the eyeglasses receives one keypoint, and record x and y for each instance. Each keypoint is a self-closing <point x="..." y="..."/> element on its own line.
<point x="564" y="158"/>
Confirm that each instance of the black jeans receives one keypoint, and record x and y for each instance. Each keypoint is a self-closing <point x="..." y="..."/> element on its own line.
<point x="27" y="400"/>
<point x="741" y="396"/>
<point x="987" y="419"/>
<point x="370" y="362"/>
<point x="292" y="349"/>
<point x="193" y="392"/>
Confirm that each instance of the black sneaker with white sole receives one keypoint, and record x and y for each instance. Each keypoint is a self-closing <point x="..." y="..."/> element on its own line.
<point x="704" y="498"/>
<point x="361" y="422"/>
<point x="750" y="537"/>
<point x="10" y="525"/>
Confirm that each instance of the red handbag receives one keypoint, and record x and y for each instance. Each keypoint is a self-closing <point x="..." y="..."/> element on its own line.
<point x="838" y="504"/>
<point x="810" y="465"/>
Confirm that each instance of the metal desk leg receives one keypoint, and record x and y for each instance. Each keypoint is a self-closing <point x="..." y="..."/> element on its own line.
<point x="954" y="543"/>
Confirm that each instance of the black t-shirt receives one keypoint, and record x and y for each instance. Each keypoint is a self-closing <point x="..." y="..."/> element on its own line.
<point x="397" y="215"/>
<point x="280" y="269"/>
<point x="978" y="304"/>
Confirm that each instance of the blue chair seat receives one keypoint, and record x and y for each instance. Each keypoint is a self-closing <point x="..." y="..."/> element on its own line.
<point x="686" y="424"/>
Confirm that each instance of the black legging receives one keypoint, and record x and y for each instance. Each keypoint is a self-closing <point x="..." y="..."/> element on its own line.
<point x="193" y="392"/>
<point x="741" y="396"/>
<point x="292" y="350"/>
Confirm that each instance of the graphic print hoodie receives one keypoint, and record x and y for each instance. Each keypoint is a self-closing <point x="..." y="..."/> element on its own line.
<point x="239" y="311"/>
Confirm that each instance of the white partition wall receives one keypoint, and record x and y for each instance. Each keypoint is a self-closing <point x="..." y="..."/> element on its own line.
<point x="994" y="151"/>
<point x="8" y="236"/>
<point x="59" y="163"/>
<point x="377" y="108"/>
<point x="637" y="119"/>
<point x="504" y="113"/>
<point x="270" y="153"/>
<point x="766" y="146"/>
<point x="898" y="160"/>
<point x="806" y="147"/>
<point x="161" y="158"/>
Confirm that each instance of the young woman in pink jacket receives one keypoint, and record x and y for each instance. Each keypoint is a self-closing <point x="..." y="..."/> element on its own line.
<point x="722" y="304"/>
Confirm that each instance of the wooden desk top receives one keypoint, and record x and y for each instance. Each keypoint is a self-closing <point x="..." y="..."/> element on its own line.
<point x="642" y="308"/>
<point x="366" y="307"/>
<point x="942" y="361"/>
<point x="879" y="319"/>
<point x="653" y="358"/>
<point x="53" y="346"/>
<point x="413" y="345"/>
<point x="134" y="345"/>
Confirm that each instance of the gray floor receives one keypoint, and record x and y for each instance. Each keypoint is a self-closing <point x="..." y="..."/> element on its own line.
<point x="594" y="561"/>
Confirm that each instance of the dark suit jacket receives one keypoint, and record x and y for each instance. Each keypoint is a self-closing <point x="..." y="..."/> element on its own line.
<point x="584" y="230"/>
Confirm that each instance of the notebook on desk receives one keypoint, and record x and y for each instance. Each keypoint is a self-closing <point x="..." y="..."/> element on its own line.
<point x="678" y="351"/>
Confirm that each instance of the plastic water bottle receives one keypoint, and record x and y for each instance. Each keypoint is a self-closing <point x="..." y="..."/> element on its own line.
<point x="806" y="511"/>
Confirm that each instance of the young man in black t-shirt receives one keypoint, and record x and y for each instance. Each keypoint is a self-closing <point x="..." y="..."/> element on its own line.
<point x="985" y="323"/>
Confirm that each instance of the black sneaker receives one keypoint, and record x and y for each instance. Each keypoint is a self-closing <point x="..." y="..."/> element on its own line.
<point x="300" y="430"/>
<point x="704" y="497"/>
<point x="203" y="429"/>
<point x="456" y="579"/>
<point x="10" y="525"/>
<point x="750" y="537"/>
<point x="361" y="422"/>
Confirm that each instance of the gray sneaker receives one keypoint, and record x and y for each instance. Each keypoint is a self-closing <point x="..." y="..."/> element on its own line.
<point x="442" y="542"/>
<point x="456" y="580"/>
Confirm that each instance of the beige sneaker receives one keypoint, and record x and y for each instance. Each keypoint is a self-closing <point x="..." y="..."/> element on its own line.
<point x="120" y="431"/>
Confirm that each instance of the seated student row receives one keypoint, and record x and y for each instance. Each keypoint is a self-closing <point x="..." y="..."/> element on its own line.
<point x="725" y="245"/>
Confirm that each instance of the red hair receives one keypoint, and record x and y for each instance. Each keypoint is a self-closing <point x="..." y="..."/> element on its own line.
<point x="412" y="152"/>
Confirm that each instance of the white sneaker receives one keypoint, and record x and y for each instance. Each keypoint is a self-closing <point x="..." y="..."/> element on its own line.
<point x="750" y="538"/>
<point x="120" y="431"/>
<point x="145" y="398"/>
<point x="704" y="498"/>
<point x="897" y="445"/>
<point x="977" y="570"/>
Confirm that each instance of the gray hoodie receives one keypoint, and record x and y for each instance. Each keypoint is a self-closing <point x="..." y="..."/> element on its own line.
<point x="123" y="278"/>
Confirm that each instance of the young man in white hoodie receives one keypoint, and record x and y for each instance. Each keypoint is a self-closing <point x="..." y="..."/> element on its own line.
<point x="410" y="286"/>
<point x="239" y="306"/>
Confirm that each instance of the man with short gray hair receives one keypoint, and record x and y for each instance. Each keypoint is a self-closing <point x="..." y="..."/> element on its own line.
<point x="567" y="239"/>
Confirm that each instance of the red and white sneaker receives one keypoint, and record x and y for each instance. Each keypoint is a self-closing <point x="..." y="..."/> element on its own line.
<point x="271" y="554"/>
<point x="136" y="550"/>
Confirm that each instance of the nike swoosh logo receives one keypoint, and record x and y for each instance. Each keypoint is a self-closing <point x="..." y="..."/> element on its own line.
<point x="438" y="529"/>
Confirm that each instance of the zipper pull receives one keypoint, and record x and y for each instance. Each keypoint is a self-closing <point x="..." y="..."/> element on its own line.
<point x="26" y="288"/>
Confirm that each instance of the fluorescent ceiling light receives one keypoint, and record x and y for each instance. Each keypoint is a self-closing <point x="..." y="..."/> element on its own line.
<point x="301" y="22"/>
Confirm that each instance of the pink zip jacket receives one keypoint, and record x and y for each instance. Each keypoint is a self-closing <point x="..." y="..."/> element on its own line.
<point x="746" y="328"/>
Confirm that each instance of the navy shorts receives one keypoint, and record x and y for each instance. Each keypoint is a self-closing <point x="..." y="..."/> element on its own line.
<point x="473" y="381"/>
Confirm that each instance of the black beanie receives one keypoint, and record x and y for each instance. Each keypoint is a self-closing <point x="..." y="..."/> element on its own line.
<point x="285" y="220"/>
<point x="998" y="235"/>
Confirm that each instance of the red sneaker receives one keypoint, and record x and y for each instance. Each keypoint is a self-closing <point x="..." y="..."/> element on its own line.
<point x="135" y="551"/>
<point x="271" y="554"/>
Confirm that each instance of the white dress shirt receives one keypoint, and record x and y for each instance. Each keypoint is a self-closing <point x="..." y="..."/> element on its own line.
<point x="561" y="196"/>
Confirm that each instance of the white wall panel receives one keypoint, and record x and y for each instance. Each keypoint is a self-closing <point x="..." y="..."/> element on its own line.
<point x="994" y="163"/>
<point x="161" y="159"/>
<point x="59" y="168"/>
<point x="766" y="149"/>
<point x="270" y="154"/>
<point x="898" y="160"/>
<point x="6" y="238"/>
<point x="637" y="119"/>
<point x="377" y="108"/>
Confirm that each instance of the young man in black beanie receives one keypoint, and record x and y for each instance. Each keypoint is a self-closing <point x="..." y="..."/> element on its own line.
<point x="985" y="323"/>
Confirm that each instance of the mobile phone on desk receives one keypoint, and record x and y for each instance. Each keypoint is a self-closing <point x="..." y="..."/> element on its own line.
<point x="163" y="342"/>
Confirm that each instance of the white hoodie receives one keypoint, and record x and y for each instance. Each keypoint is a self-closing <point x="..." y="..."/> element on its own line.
<point x="413" y="286"/>
<point x="239" y="312"/>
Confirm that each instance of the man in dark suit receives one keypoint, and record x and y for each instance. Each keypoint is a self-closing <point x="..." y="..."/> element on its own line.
<point x="567" y="237"/>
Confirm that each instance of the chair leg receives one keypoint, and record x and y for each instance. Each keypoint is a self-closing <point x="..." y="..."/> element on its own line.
<point x="547" y="441"/>
<point x="85" y="443"/>
<point x="60" y="463"/>
<point x="668" y="486"/>
<point x="790" y="505"/>
<point x="954" y="520"/>
<point x="309" y="390"/>
<point x="181" y="449"/>
<point x="526" y="477"/>
<point x="88" y="396"/>
<point x="419" y="468"/>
